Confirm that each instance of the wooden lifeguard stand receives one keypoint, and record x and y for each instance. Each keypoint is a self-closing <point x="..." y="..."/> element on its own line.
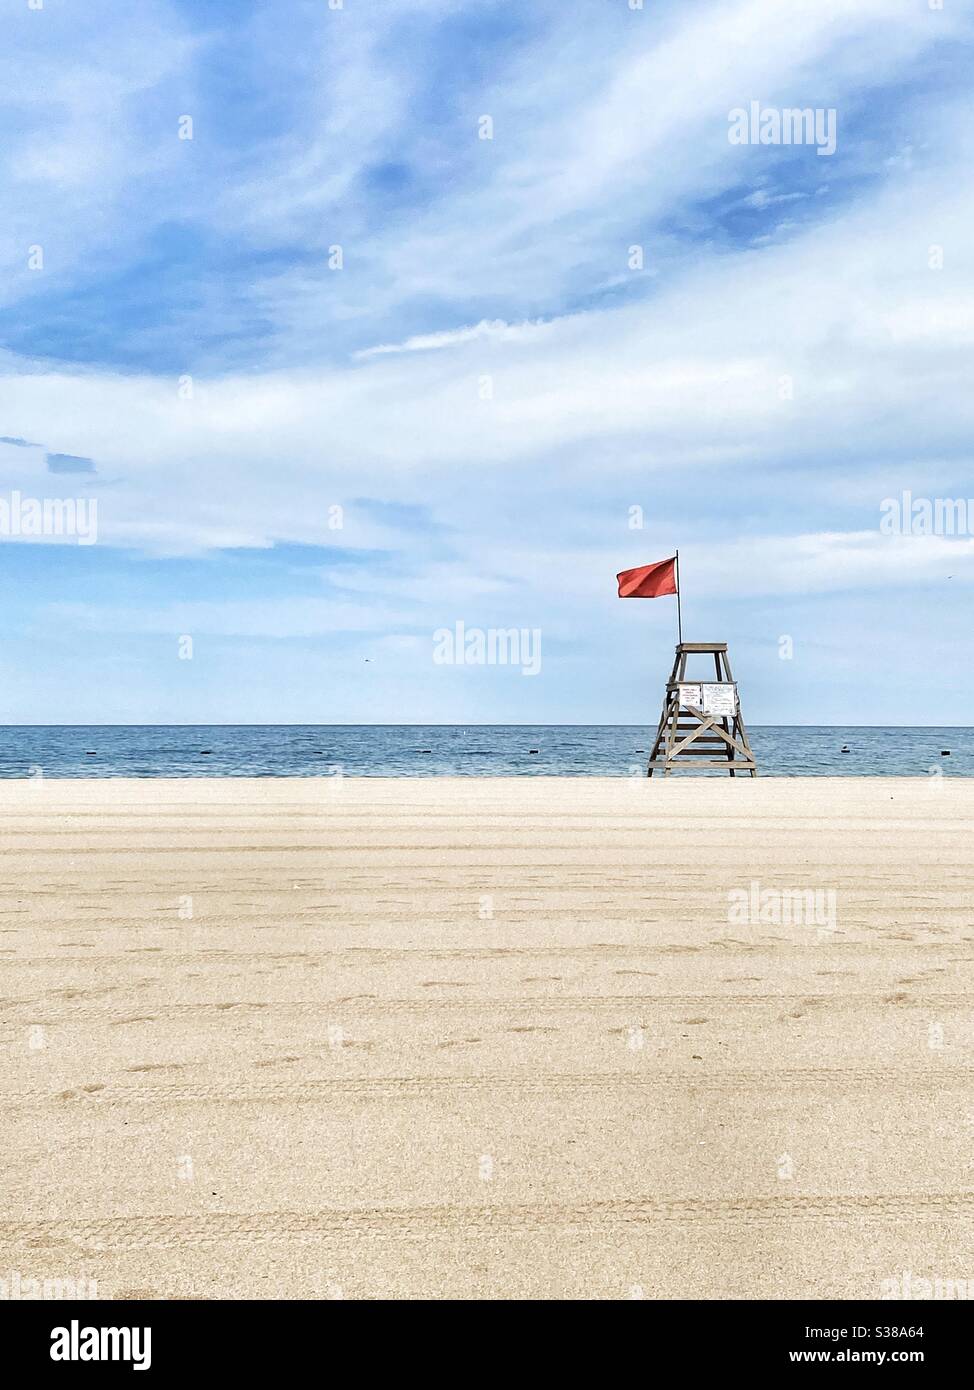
<point x="701" y="724"/>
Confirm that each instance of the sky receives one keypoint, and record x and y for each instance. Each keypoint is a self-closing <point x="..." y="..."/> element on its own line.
<point x="357" y="321"/>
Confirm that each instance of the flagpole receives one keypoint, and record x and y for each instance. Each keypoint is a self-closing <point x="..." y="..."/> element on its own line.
<point x="679" y="614"/>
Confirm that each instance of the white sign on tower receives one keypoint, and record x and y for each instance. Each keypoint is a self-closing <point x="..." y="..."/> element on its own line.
<point x="720" y="700"/>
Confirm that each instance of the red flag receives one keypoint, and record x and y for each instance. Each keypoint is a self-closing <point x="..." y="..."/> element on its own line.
<point x="649" y="581"/>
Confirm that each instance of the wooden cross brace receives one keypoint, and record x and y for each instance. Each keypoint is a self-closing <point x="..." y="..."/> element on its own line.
<point x="708" y="721"/>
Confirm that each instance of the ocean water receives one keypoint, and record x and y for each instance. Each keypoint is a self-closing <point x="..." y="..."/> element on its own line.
<point x="476" y="750"/>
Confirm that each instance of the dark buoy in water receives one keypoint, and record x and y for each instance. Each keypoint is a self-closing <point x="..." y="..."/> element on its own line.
<point x="91" y="753"/>
<point x="945" y="752"/>
<point x="532" y="750"/>
<point x="844" y="748"/>
<point x="205" y="752"/>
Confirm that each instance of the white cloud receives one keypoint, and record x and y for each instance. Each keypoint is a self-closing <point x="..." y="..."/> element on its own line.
<point x="597" y="145"/>
<point x="75" y="82"/>
<point x="496" y="331"/>
<point x="846" y="315"/>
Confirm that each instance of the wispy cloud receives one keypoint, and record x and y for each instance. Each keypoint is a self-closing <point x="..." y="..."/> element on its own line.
<point x="496" y="331"/>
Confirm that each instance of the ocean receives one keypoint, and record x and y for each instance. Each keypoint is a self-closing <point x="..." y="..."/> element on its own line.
<point x="473" y="750"/>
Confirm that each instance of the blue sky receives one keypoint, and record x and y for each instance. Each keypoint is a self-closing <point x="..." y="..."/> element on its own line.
<point x="487" y="387"/>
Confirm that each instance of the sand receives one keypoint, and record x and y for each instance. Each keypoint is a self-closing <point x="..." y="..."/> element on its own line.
<point x="486" y="1038"/>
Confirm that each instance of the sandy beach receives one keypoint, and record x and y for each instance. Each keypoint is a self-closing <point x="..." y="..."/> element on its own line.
<point x="487" y="1038"/>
